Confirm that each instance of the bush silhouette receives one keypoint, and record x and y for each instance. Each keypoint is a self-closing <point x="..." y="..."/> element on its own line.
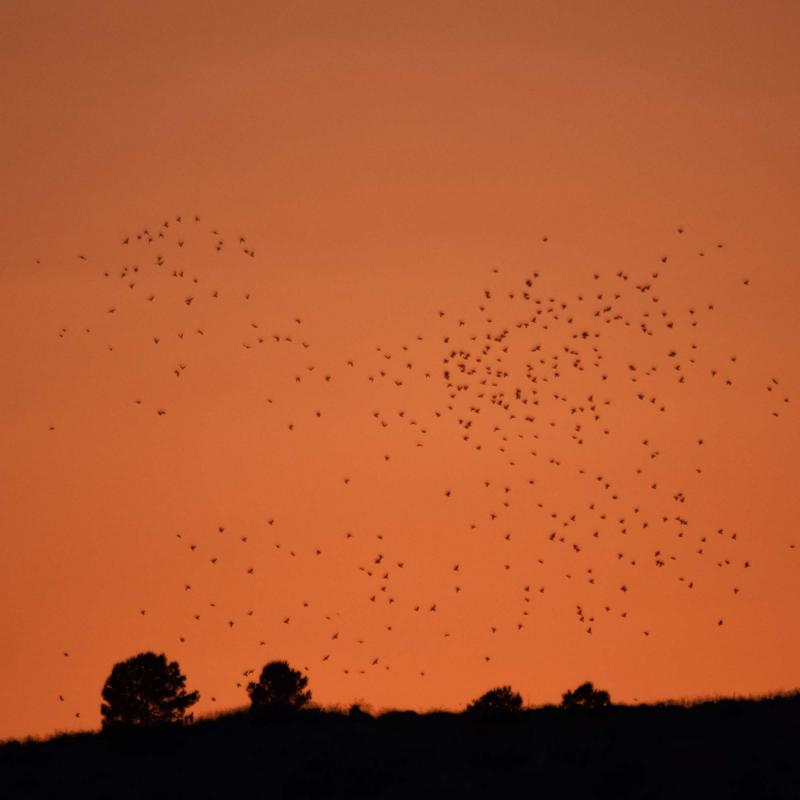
<point x="146" y="692"/>
<point x="356" y="712"/>
<point x="585" y="697"/>
<point x="499" y="703"/>
<point x="280" y="690"/>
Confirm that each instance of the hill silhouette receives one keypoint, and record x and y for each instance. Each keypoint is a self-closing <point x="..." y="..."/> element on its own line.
<point x="719" y="748"/>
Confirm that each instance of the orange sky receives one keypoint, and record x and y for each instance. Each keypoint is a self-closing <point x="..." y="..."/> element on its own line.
<point x="387" y="162"/>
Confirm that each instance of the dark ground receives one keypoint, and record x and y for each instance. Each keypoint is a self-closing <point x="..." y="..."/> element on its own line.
<point x="721" y="749"/>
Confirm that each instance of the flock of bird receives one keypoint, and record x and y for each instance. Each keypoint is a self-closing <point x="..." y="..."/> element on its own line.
<point x="540" y="381"/>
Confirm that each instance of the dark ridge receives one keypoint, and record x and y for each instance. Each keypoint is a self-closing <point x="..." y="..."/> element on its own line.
<point x="718" y="748"/>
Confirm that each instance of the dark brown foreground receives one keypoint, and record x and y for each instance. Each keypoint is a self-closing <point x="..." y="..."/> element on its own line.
<point x="721" y="749"/>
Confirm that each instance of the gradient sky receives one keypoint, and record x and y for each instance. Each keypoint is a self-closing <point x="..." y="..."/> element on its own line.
<point x="387" y="162"/>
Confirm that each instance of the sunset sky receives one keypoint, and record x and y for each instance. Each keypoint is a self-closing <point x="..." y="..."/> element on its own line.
<point x="439" y="245"/>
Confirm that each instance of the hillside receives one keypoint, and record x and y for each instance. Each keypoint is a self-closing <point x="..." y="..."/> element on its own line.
<point x="715" y="749"/>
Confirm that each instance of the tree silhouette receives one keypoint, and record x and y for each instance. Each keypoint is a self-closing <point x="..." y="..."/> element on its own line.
<point x="280" y="690"/>
<point x="146" y="691"/>
<point x="499" y="703"/>
<point x="585" y="696"/>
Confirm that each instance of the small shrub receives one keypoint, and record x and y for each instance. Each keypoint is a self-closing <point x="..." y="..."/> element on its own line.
<point x="585" y="697"/>
<point x="499" y="703"/>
